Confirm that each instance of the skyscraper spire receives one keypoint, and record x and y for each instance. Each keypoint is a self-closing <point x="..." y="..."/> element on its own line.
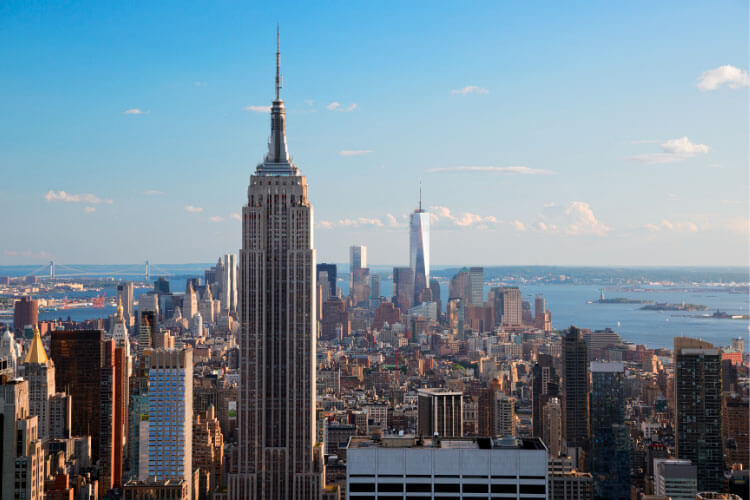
<point x="420" y="195"/>
<point x="278" y="66"/>
<point x="277" y="161"/>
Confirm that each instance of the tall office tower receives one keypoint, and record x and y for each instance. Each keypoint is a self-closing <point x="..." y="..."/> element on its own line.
<point x="170" y="431"/>
<point x="125" y="296"/>
<point x="357" y="257"/>
<point x="575" y="394"/>
<point x="507" y="305"/>
<point x="196" y="325"/>
<point x="697" y="400"/>
<point x="22" y="466"/>
<point x="190" y="302"/>
<point x="403" y="288"/>
<point x="122" y="371"/>
<point x="146" y="331"/>
<point x="419" y="250"/>
<point x="40" y="372"/>
<point x="545" y="384"/>
<point x="9" y="352"/>
<point x="60" y="416"/>
<point x="440" y="411"/>
<point x="435" y="288"/>
<point x="359" y="286"/>
<point x="552" y="426"/>
<point x="735" y="414"/>
<point x="330" y="269"/>
<point x="610" y="442"/>
<point x="108" y="409"/>
<point x="206" y="305"/>
<point x="542" y="317"/>
<point x="375" y="286"/>
<point x="78" y="358"/>
<point x="476" y="278"/>
<point x="228" y="282"/>
<point x="276" y="402"/>
<point x="505" y="415"/>
<point x="138" y="420"/>
<point x="675" y="478"/>
<point x="161" y="285"/>
<point x="208" y="447"/>
<point x="25" y="313"/>
<point x="460" y="285"/>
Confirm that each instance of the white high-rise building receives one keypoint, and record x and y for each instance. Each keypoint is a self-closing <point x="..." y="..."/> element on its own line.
<point x="419" y="250"/>
<point x="40" y="372"/>
<point x="277" y="457"/>
<point x="170" y="427"/>
<point x="228" y="280"/>
<point x="357" y="257"/>
<point x="675" y="478"/>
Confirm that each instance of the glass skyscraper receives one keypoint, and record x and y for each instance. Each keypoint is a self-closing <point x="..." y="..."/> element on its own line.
<point x="419" y="250"/>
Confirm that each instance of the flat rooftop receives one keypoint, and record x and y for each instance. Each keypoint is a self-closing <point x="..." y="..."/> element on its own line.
<point x="480" y="443"/>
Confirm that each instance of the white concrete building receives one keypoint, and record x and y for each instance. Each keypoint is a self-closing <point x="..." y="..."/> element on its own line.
<point x="402" y="467"/>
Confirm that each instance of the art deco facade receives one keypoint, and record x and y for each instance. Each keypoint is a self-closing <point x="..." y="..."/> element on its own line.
<point x="277" y="456"/>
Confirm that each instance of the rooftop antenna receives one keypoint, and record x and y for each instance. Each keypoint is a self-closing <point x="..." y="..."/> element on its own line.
<point x="278" y="65"/>
<point x="420" y="195"/>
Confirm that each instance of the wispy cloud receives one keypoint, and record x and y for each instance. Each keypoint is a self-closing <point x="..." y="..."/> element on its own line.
<point x="519" y="226"/>
<point x="739" y="225"/>
<point x="41" y="254"/>
<point x="361" y="221"/>
<point x="494" y="170"/>
<point x="673" y="151"/>
<point x="470" y="89"/>
<point x="135" y="111"/>
<point x="216" y="218"/>
<point x="732" y="76"/>
<point x="193" y="209"/>
<point x="337" y="106"/>
<point x="235" y="216"/>
<point x="355" y="152"/>
<point x="258" y="109"/>
<point x="89" y="210"/>
<point x="52" y="196"/>
<point x="153" y="192"/>
<point x="466" y="219"/>
<point x="675" y="226"/>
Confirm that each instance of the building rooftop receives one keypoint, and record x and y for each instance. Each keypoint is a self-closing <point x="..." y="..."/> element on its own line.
<point x="480" y="443"/>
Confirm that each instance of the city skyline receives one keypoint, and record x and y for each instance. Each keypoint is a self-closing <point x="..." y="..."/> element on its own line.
<point x="149" y="141"/>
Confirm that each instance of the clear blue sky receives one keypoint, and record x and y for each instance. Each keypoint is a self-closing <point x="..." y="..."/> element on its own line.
<point x="625" y="124"/>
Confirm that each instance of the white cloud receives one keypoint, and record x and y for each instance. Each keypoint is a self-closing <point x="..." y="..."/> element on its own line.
<point x="258" y="109"/>
<point x="739" y="225"/>
<point x="583" y="221"/>
<point x="355" y="152"/>
<point x="135" y="111"/>
<point x="574" y="219"/>
<point x="325" y="224"/>
<point x="152" y="192"/>
<point x="74" y="198"/>
<point x="518" y="225"/>
<point x="674" y="150"/>
<point x="393" y="221"/>
<point x="675" y="226"/>
<point x="731" y="75"/>
<point x="494" y="170"/>
<point x="89" y="210"/>
<point x="41" y="254"/>
<point x="216" y="218"/>
<point x="467" y="219"/>
<point x="470" y="89"/>
<point x="361" y="221"/>
<point x="235" y="216"/>
<point x="337" y="106"/>
<point x="193" y="209"/>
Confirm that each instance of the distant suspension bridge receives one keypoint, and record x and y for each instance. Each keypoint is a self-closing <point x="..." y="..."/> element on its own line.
<point x="54" y="270"/>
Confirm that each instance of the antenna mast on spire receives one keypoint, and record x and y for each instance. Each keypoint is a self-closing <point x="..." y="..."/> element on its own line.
<point x="420" y="195"/>
<point x="278" y="66"/>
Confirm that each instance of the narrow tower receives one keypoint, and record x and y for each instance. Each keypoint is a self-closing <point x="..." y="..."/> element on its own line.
<point x="419" y="250"/>
<point x="277" y="456"/>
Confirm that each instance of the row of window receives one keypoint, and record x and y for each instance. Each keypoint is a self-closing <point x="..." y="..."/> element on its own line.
<point x="531" y="489"/>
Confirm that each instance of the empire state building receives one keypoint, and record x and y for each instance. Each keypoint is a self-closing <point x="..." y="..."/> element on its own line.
<point x="277" y="457"/>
